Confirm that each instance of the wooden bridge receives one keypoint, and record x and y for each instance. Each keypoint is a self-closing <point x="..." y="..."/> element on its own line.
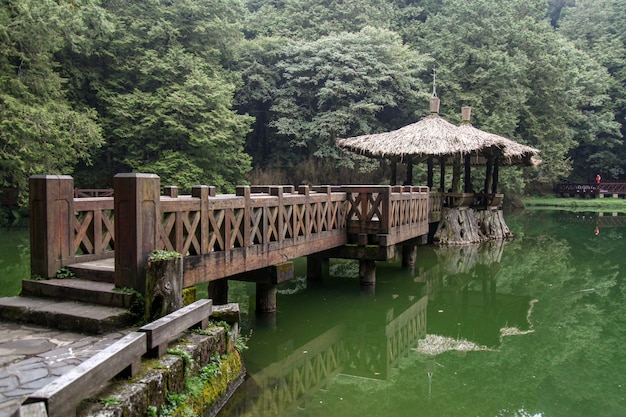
<point x="222" y="236"/>
<point x="587" y="190"/>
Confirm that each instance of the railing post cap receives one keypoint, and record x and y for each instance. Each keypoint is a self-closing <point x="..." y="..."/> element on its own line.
<point x="304" y="189"/>
<point x="50" y="177"/>
<point x="171" y="191"/>
<point x="242" y="190"/>
<point x="135" y="175"/>
<point x="200" y="191"/>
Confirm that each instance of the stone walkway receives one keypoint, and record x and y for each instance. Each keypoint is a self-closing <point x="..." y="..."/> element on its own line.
<point x="32" y="356"/>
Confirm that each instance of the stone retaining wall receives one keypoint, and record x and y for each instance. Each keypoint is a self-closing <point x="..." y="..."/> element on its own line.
<point x="168" y="375"/>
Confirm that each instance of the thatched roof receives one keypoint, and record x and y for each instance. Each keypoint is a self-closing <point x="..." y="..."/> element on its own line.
<point x="434" y="136"/>
<point x="431" y="136"/>
<point x="510" y="151"/>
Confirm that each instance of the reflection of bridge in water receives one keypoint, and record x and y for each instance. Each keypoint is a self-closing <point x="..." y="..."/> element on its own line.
<point x="463" y="280"/>
<point x="356" y="349"/>
<point x="604" y="220"/>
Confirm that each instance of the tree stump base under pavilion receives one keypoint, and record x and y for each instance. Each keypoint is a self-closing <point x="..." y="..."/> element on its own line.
<point x="465" y="226"/>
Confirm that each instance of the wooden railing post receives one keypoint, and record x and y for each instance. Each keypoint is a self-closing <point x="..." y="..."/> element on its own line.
<point x="244" y="191"/>
<point x="385" y="222"/>
<point x="51" y="223"/>
<point x="280" y="219"/>
<point x="203" y="192"/>
<point x="137" y="223"/>
<point x="306" y="192"/>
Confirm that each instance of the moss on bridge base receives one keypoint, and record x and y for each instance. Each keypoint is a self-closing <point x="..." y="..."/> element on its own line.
<point x="196" y="377"/>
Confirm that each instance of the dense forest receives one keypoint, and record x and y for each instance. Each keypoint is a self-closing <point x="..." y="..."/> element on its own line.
<point x="225" y="92"/>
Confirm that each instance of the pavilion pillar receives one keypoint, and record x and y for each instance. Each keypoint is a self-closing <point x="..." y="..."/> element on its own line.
<point x="456" y="174"/>
<point x="51" y="202"/>
<point x="409" y="171"/>
<point x="496" y="171"/>
<point x="467" y="185"/>
<point x="430" y="173"/>
<point x="488" y="175"/>
<point x="137" y="221"/>
<point x="218" y="291"/>
<point x="394" y="171"/>
<point x="442" y="174"/>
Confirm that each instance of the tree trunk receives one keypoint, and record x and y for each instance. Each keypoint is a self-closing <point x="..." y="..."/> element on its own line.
<point x="164" y="292"/>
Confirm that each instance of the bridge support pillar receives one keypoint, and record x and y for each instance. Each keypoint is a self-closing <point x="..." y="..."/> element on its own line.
<point x="218" y="291"/>
<point x="409" y="253"/>
<point x="367" y="272"/>
<point x="265" y="298"/>
<point x="317" y="268"/>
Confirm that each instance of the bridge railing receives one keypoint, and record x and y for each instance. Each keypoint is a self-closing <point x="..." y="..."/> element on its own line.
<point x="388" y="214"/>
<point x="573" y="189"/>
<point x="258" y="226"/>
<point x="93" y="229"/>
<point x="205" y="222"/>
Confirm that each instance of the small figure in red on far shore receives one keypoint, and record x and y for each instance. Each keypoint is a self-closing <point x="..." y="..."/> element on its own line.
<point x="598" y="179"/>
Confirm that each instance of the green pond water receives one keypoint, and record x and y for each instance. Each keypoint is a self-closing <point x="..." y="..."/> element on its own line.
<point x="535" y="326"/>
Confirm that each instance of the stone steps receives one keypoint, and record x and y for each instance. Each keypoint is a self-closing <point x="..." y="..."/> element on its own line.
<point x="75" y="316"/>
<point x="93" y="292"/>
<point x="90" y="305"/>
<point x="101" y="270"/>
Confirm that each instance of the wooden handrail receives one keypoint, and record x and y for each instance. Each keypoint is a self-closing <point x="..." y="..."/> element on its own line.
<point x="62" y="395"/>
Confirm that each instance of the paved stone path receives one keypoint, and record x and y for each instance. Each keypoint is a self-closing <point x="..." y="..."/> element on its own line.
<point x="32" y="356"/>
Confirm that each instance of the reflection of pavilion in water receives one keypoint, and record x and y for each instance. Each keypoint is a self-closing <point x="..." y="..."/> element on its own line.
<point x="463" y="297"/>
<point x="372" y="349"/>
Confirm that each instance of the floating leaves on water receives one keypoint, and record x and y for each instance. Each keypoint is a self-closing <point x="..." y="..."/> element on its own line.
<point x="434" y="344"/>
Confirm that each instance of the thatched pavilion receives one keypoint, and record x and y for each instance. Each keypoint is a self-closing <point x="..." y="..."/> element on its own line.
<point x="433" y="137"/>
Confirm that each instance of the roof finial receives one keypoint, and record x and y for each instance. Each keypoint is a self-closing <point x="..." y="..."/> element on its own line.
<point x="434" y="100"/>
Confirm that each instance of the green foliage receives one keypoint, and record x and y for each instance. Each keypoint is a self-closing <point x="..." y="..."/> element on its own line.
<point x="522" y="79"/>
<point x="163" y="255"/>
<point x="110" y="401"/>
<point x="160" y="81"/>
<point x="38" y="278"/>
<point x="42" y="132"/>
<point x="157" y="80"/>
<point x="202" y="390"/>
<point x="311" y="20"/>
<point x="179" y="352"/>
<point x="308" y="93"/>
<point x="241" y="344"/>
<point x="152" y="411"/>
<point x="137" y="306"/>
<point x="597" y="29"/>
<point x="65" y="273"/>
